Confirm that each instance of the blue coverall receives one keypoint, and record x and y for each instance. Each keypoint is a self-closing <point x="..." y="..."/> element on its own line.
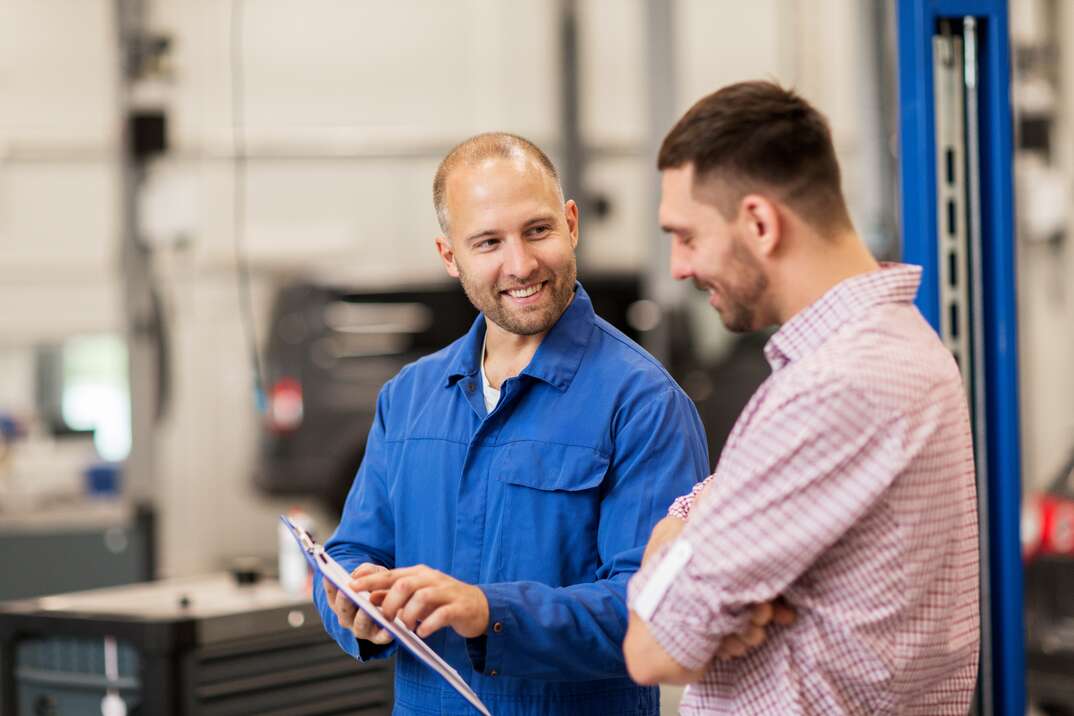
<point x="545" y="503"/>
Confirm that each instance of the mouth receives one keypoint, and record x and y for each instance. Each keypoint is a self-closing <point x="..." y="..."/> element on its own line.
<point x="526" y="294"/>
<point x="713" y="295"/>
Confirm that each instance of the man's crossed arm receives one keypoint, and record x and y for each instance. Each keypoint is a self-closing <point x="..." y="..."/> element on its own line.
<point x="647" y="661"/>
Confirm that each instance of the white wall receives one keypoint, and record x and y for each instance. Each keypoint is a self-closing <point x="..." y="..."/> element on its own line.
<point x="58" y="184"/>
<point x="348" y="106"/>
<point x="1046" y="280"/>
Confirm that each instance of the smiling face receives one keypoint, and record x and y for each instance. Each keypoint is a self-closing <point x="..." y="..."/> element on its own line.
<point x="713" y="252"/>
<point x="511" y="242"/>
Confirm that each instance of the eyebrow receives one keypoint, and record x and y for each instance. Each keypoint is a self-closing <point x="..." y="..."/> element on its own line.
<point x="544" y="218"/>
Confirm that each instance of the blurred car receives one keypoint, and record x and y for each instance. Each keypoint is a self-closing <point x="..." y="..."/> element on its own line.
<point x="330" y="349"/>
<point x="1048" y="550"/>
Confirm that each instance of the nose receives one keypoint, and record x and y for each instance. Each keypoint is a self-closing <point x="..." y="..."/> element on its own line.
<point x="680" y="265"/>
<point x="520" y="261"/>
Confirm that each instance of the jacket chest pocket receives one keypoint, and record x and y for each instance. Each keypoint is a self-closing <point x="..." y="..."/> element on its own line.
<point x="551" y="511"/>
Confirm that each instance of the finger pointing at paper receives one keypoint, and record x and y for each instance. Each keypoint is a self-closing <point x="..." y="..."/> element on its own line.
<point x="427" y="600"/>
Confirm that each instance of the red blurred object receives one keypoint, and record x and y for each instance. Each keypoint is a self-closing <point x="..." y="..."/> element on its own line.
<point x="285" y="406"/>
<point x="1047" y="526"/>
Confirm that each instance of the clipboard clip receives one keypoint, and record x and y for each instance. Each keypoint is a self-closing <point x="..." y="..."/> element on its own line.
<point x="305" y="539"/>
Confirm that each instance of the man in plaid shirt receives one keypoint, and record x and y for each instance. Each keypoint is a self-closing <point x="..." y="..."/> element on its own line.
<point x="846" y="490"/>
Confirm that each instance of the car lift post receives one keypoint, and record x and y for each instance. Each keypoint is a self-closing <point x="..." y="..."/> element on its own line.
<point x="958" y="223"/>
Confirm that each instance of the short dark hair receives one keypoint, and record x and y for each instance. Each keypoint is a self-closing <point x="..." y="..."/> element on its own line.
<point x="754" y="135"/>
<point x="502" y="145"/>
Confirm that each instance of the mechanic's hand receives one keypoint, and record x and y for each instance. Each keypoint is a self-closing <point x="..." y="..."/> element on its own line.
<point x="736" y="645"/>
<point x="429" y="600"/>
<point x="664" y="532"/>
<point x="351" y="617"/>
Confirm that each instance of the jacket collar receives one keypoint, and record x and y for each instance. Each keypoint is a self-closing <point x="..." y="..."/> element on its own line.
<point x="557" y="358"/>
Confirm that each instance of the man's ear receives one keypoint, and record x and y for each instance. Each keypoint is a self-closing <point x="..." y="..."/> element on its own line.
<point x="763" y="223"/>
<point x="570" y="211"/>
<point x="447" y="255"/>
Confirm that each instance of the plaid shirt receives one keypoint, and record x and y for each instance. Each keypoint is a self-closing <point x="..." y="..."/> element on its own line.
<point x="847" y="487"/>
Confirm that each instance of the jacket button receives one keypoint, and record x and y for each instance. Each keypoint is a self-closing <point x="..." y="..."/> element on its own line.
<point x="497" y="627"/>
<point x="493" y="672"/>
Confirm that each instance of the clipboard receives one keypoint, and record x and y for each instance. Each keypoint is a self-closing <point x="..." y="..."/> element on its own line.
<point x="335" y="573"/>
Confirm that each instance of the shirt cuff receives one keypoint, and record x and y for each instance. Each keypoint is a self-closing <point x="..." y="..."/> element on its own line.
<point x="682" y="505"/>
<point x="367" y="650"/>
<point x="488" y="652"/>
<point x="360" y="649"/>
<point x="688" y="622"/>
<point x="680" y="508"/>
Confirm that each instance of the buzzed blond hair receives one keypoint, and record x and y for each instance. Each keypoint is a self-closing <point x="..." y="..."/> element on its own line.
<point x="490" y="145"/>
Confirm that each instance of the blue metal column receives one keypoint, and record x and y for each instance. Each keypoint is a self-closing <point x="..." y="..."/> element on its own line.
<point x="1004" y="675"/>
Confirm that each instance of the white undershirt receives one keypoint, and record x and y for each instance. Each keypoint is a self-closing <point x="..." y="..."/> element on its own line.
<point x="492" y="395"/>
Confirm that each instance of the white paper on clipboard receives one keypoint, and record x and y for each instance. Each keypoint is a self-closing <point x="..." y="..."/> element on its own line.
<point x="335" y="573"/>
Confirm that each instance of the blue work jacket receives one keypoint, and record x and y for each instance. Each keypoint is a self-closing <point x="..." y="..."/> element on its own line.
<point x="545" y="503"/>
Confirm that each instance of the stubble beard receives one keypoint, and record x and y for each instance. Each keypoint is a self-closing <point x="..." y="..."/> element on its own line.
<point x="525" y="322"/>
<point x="742" y="298"/>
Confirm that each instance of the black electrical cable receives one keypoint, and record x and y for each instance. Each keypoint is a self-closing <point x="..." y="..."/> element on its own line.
<point x="242" y="267"/>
